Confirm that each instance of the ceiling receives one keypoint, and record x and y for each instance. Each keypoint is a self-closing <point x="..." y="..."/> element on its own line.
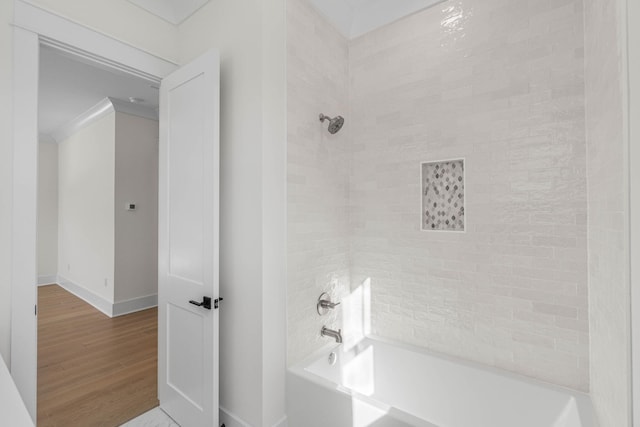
<point x="354" y="18"/>
<point x="173" y="11"/>
<point x="70" y="87"/>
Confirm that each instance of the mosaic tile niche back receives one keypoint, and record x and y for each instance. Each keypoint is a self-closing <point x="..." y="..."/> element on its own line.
<point x="443" y="195"/>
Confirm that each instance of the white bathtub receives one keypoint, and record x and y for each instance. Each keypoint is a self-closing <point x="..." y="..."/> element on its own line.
<point x="378" y="384"/>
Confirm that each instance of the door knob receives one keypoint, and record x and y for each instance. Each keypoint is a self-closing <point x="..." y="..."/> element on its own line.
<point x="206" y="303"/>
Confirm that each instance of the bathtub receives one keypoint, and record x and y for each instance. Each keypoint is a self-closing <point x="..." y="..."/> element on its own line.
<point x="380" y="384"/>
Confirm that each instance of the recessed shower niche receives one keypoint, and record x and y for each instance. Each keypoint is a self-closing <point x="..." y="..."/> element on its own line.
<point x="443" y="195"/>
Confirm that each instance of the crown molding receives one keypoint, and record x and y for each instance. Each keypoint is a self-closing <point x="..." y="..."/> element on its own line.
<point x="103" y="108"/>
<point x="98" y="111"/>
<point x="134" y="109"/>
<point x="45" y="138"/>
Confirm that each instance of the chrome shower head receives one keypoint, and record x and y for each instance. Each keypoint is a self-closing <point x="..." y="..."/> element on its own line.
<point x="335" y="124"/>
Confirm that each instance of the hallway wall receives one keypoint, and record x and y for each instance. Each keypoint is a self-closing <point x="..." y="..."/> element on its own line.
<point x="47" y="211"/>
<point x="86" y="225"/>
<point x="136" y="232"/>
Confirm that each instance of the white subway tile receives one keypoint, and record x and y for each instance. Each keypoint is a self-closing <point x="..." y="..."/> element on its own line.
<point x="500" y="84"/>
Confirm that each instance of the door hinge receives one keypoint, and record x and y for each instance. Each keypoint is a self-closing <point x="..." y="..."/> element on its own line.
<point x="35" y="309"/>
<point x="216" y="302"/>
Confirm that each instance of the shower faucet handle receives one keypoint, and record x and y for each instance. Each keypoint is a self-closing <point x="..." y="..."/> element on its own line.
<point x="324" y="304"/>
<point x="328" y="304"/>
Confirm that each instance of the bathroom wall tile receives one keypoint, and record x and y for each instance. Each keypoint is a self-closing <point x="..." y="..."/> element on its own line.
<point x="499" y="84"/>
<point x="317" y="176"/>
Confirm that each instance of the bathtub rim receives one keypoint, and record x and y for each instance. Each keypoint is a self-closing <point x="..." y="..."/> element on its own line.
<point x="581" y="399"/>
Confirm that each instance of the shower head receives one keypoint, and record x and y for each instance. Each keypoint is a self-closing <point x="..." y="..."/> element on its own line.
<point x="335" y="124"/>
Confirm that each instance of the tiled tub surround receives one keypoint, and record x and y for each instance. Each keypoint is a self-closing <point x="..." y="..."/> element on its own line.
<point x="317" y="176"/>
<point x="499" y="83"/>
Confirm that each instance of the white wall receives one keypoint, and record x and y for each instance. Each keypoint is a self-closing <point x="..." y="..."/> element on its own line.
<point x="607" y="171"/>
<point x="318" y="168"/>
<point x="47" y="210"/>
<point x="274" y="213"/>
<point x="121" y="20"/>
<point x="250" y="37"/>
<point x="136" y="232"/>
<point x="6" y="168"/>
<point x="86" y="213"/>
<point x="234" y="28"/>
<point x="104" y="248"/>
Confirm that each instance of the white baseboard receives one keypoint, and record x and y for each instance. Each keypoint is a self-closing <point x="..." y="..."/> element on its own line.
<point x="229" y="419"/>
<point x="134" y="304"/>
<point x="97" y="301"/>
<point x="105" y="306"/>
<point x="47" y="280"/>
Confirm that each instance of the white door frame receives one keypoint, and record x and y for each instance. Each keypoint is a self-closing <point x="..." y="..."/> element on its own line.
<point x="633" y="84"/>
<point x="33" y="26"/>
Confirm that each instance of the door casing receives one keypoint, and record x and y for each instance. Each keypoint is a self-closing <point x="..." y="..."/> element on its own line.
<point x="34" y="26"/>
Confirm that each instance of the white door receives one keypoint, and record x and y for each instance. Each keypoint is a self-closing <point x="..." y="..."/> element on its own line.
<point x="188" y="242"/>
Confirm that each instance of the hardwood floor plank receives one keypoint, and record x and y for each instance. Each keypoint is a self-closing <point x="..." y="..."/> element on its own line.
<point x="93" y="370"/>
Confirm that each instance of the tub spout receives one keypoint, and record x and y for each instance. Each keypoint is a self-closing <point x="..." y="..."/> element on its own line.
<point x="337" y="335"/>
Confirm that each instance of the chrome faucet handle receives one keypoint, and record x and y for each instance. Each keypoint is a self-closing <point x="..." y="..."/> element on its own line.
<point x="328" y="304"/>
<point x="324" y="304"/>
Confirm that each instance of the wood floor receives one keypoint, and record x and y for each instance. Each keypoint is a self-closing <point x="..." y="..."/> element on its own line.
<point x="93" y="370"/>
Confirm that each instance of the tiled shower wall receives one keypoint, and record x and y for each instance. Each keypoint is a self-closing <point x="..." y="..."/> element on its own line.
<point x="317" y="176"/>
<point x="609" y="286"/>
<point x="499" y="83"/>
<point x="496" y="82"/>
